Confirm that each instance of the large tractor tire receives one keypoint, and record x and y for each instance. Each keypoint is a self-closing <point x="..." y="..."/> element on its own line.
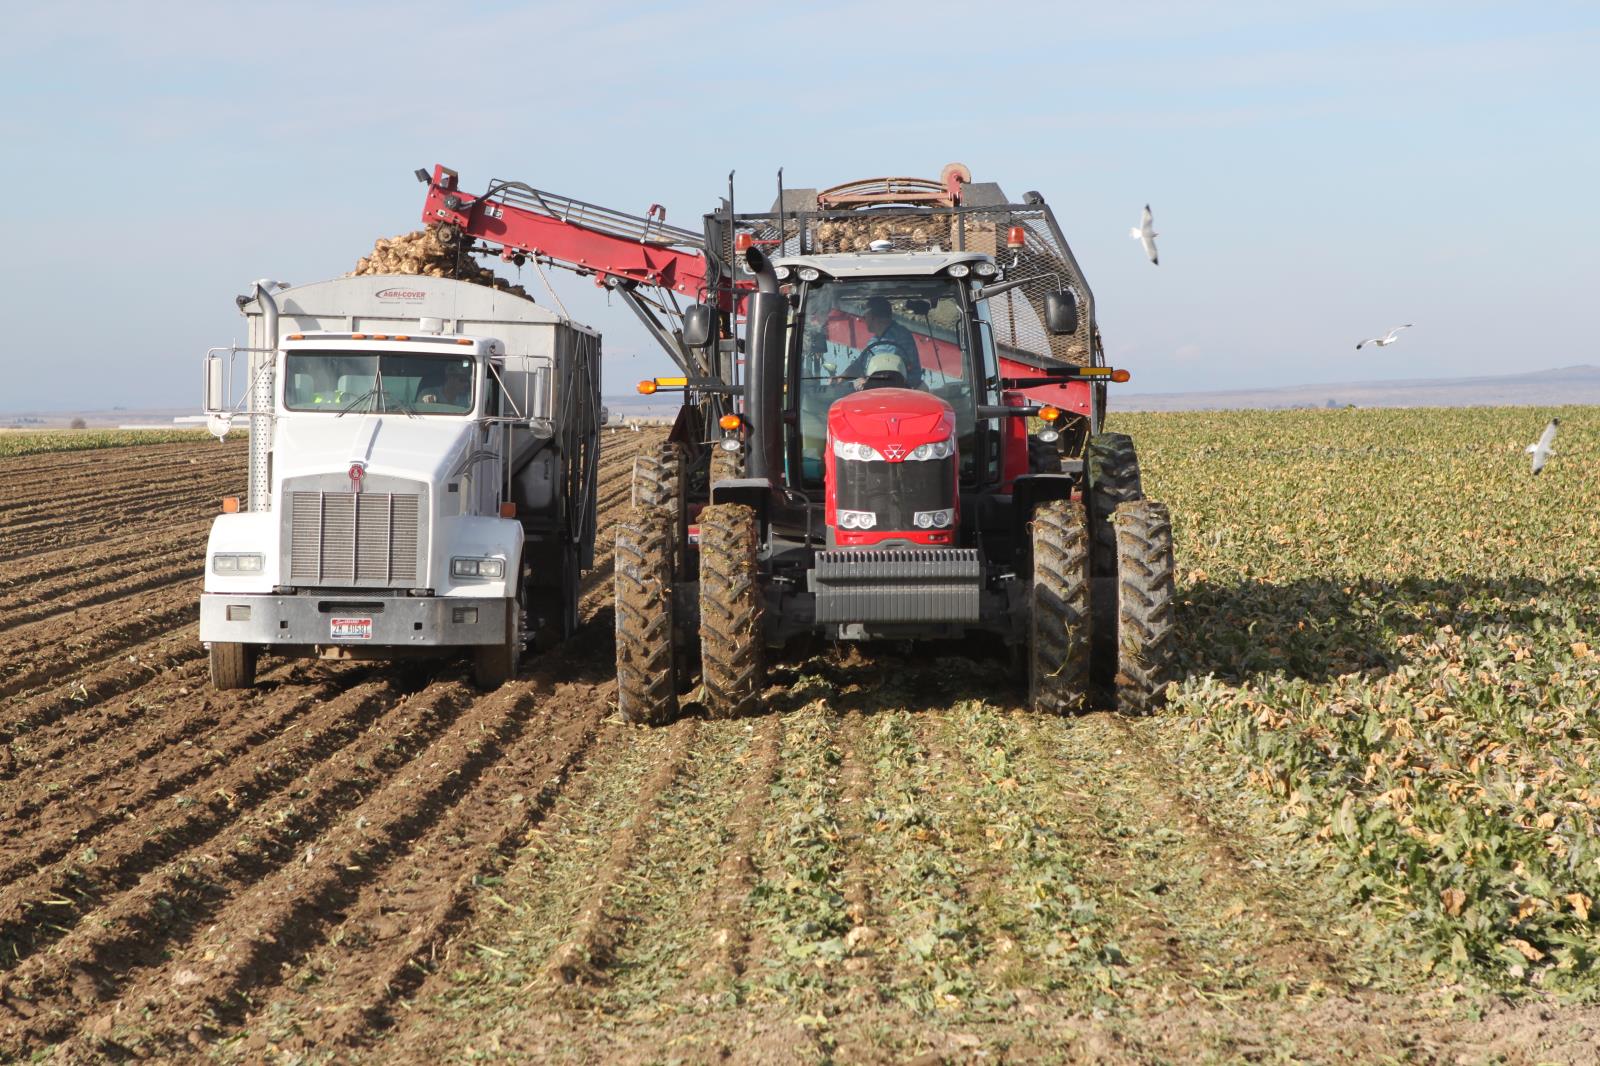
<point x="1058" y="615"/>
<point x="647" y="683"/>
<point x="732" y="644"/>
<point x="1112" y="466"/>
<point x="1145" y="630"/>
<point x="233" y="665"/>
<point x="658" y="477"/>
<point x="495" y="664"/>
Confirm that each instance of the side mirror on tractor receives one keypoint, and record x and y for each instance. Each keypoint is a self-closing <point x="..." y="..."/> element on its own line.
<point x="1060" y="312"/>
<point x="699" y="326"/>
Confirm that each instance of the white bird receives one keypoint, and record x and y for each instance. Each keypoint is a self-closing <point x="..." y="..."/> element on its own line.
<point x="1145" y="233"/>
<point x="1546" y="447"/>
<point x="1385" y="340"/>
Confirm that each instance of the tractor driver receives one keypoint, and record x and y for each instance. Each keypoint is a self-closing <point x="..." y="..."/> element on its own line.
<point x="888" y="338"/>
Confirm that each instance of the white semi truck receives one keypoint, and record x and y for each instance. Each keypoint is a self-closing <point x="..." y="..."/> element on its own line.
<point x="423" y="454"/>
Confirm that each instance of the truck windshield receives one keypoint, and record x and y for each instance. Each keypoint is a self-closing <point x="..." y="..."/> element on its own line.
<point x="383" y="381"/>
<point x="855" y="329"/>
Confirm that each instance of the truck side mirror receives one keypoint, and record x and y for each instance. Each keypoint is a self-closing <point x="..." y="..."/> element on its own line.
<point x="216" y="385"/>
<point x="699" y="326"/>
<point x="1060" y="312"/>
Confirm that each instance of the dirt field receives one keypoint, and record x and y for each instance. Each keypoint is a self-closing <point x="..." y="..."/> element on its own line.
<point x="362" y="862"/>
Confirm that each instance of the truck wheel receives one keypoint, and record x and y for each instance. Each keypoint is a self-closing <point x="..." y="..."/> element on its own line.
<point x="732" y="644"/>
<point x="647" y="690"/>
<point x="1111" y="467"/>
<point x="1058" y="617"/>
<point x="658" y="477"/>
<point x="495" y="664"/>
<point x="232" y="665"/>
<point x="1146" y="634"/>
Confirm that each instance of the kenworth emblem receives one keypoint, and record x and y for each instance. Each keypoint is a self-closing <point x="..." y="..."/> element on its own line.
<point x="357" y="472"/>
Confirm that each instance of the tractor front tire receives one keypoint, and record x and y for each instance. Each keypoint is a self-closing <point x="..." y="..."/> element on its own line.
<point x="1146" y="631"/>
<point x="647" y="689"/>
<point x="233" y="665"/>
<point x="732" y="643"/>
<point x="1058" y="615"/>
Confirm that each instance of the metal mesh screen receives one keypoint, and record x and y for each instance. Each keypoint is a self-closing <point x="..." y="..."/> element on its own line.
<point x="1018" y="316"/>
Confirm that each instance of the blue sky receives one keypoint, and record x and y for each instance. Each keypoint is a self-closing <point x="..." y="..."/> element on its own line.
<point x="1319" y="173"/>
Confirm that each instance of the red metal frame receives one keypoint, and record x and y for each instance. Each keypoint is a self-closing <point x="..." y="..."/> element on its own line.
<point x="518" y="231"/>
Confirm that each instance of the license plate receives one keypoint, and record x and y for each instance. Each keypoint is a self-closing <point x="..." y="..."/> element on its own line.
<point x="350" y="628"/>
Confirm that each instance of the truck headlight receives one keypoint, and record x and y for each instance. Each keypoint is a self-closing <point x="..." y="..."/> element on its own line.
<point x="939" y="449"/>
<point x="934" y="519"/>
<point x="857" y="519"/>
<point x="477" y="567"/>
<point x="237" y="563"/>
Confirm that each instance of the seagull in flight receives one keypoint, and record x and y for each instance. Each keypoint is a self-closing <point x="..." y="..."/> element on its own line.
<point x="1385" y="340"/>
<point x="1145" y="233"/>
<point x="1546" y="447"/>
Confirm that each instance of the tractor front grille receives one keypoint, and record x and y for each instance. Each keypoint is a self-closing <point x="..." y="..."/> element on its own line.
<point x="354" y="539"/>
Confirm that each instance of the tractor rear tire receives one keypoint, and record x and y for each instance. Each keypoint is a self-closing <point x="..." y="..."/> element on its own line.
<point x="1058" y="615"/>
<point x="658" y="477"/>
<point x="233" y="665"/>
<point x="1146" y="633"/>
<point x="1112" y="466"/>
<point x="647" y="683"/>
<point x="495" y="664"/>
<point x="732" y="642"/>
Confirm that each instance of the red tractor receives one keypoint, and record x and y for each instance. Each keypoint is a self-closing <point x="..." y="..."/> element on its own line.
<point x="915" y="450"/>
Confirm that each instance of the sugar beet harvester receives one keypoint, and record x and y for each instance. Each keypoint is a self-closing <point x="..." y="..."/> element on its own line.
<point x="853" y="457"/>
<point x="423" y="454"/>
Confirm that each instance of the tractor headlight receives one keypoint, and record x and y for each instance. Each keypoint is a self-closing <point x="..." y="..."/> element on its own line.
<point x="490" y="568"/>
<point x="939" y="449"/>
<point x="809" y="273"/>
<point x="958" y="270"/>
<point x="859" y="452"/>
<point x="984" y="269"/>
<point x="857" y="519"/>
<point x="934" y="519"/>
<point x="237" y="563"/>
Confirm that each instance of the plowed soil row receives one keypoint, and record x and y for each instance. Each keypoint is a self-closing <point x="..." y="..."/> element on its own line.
<point x="376" y="862"/>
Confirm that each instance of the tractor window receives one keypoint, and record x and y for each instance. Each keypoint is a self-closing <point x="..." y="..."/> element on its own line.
<point x="416" y="384"/>
<point x="852" y="329"/>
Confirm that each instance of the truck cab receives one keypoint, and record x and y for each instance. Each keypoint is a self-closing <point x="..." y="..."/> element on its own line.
<point x="402" y="480"/>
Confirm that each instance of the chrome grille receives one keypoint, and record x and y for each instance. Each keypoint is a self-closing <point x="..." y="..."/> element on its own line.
<point x="343" y="538"/>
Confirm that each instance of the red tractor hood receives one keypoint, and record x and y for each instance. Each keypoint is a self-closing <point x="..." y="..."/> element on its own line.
<point x="880" y="417"/>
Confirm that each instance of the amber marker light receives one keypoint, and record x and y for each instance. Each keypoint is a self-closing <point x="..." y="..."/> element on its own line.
<point x="358" y="336"/>
<point x="1120" y="375"/>
<point x="729" y="422"/>
<point x="230" y="505"/>
<point x="1050" y="414"/>
<point x="508" y="510"/>
<point x="646" y="387"/>
<point x="296" y="337"/>
<point x="464" y="340"/>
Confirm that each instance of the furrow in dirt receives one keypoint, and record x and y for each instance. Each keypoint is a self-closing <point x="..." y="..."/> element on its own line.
<point x="155" y="570"/>
<point x="597" y="926"/>
<point x="281" y="917"/>
<point x="57" y="647"/>
<point x="48" y="573"/>
<point x="722" y="911"/>
<point x="347" y="759"/>
<point x="397" y="931"/>
<point x="43" y="906"/>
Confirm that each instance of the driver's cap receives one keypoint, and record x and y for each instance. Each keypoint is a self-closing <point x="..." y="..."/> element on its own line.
<point x="886" y="361"/>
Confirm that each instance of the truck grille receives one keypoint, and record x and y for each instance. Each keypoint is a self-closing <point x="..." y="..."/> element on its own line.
<point x="343" y="538"/>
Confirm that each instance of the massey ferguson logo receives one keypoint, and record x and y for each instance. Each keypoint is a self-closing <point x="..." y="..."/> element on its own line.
<point x="411" y="295"/>
<point x="895" y="451"/>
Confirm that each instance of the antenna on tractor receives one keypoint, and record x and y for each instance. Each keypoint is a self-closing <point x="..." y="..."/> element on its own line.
<point x="783" y="227"/>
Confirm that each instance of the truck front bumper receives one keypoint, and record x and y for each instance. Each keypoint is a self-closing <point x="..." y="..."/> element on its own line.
<point x="362" y="621"/>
